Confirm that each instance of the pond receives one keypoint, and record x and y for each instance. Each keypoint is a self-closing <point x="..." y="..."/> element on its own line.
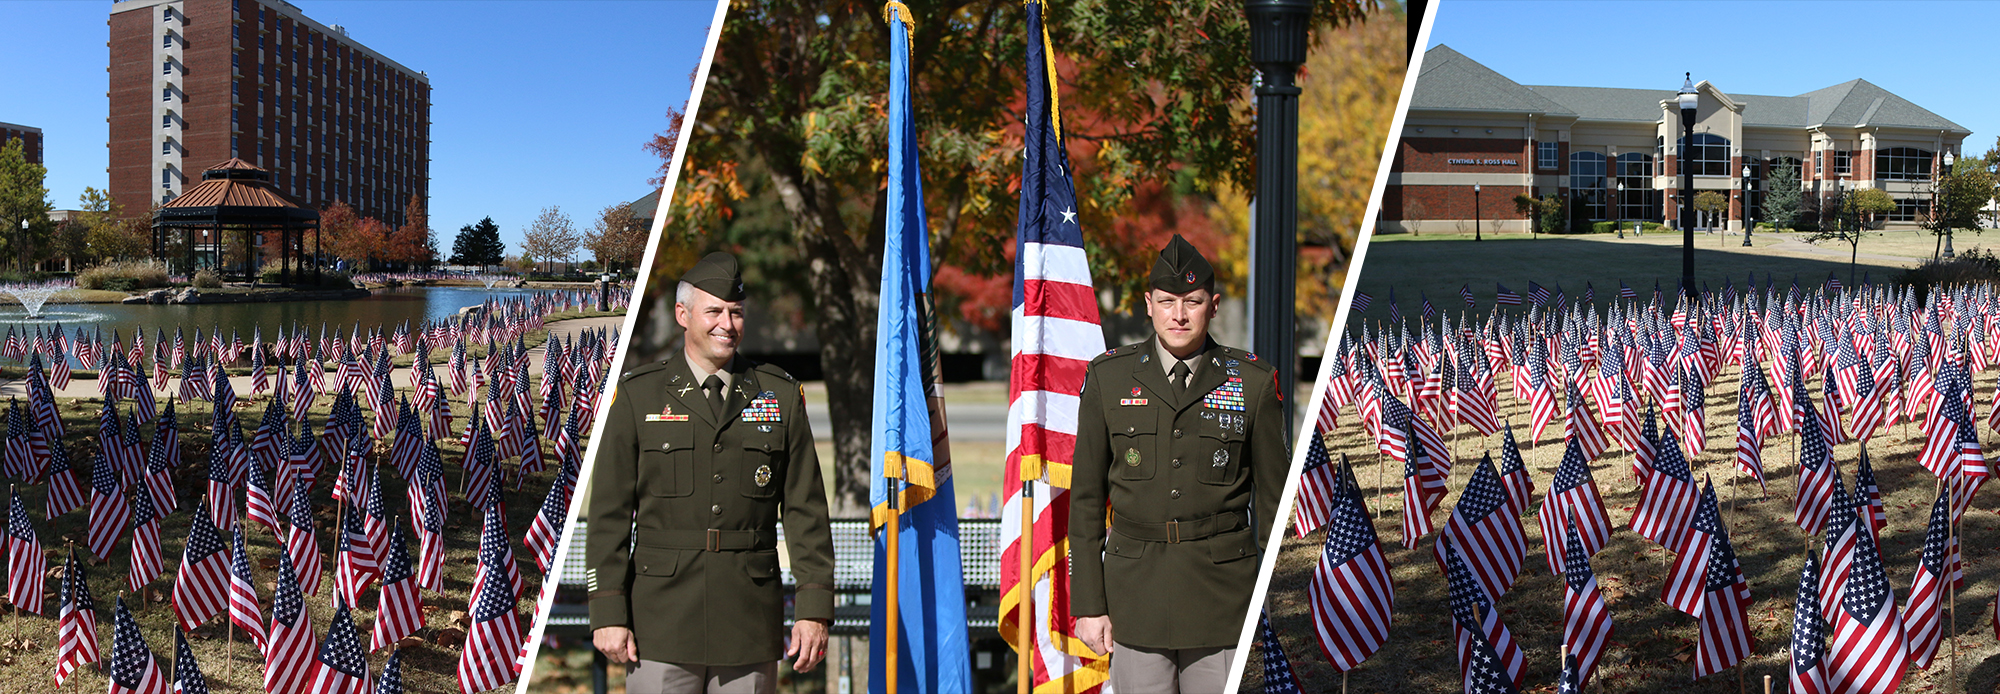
<point x="387" y="308"/>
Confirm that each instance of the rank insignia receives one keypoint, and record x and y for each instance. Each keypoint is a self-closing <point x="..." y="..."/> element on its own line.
<point x="1221" y="459"/>
<point x="1129" y="402"/>
<point x="1132" y="457"/>
<point x="667" y="415"/>
<point x="763" y="475"/>
<point x="764" y="408"/>
<point x="766" y="428"/>
<point x="1228" y="396"/>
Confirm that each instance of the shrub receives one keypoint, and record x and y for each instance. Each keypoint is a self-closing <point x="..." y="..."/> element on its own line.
<point x="206" y="279"/>
<point x="124" y="276"/>
<point x="1974" y="265"/>
<point x="1613" y="227"/>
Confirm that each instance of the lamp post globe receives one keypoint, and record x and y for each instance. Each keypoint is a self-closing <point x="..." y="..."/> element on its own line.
<point x="1689" y="99"/>
<point x="1747" y="224"/>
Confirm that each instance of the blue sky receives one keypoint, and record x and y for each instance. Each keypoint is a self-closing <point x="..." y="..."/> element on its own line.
<point x="533" y="103"/>
<point x="1931" y="53"/>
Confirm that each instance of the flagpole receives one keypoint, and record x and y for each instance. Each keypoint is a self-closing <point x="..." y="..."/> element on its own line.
<point x="1024" y="668"/>
<point x="891" y="530"/>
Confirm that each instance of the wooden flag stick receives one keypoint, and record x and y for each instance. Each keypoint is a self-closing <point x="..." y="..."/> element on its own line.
<point x="892" y="529"/>
<point x="1343" y="682"/>
<point x="1767" y="684"/>
<point x="1024" y="667"/>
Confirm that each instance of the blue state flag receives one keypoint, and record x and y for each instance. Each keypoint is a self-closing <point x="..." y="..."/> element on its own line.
<point x="909" y="458"/>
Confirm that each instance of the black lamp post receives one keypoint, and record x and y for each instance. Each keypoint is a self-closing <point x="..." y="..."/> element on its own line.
<point x="1475" y="212"/>
<point x="1688" y="100"/>
<point x="1278" y="40"/>
<point x="1747" y="224"/>
<point x="1937" y="197"/>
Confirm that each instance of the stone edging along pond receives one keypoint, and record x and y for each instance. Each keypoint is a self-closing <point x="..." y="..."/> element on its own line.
<point x="191" y="295"/>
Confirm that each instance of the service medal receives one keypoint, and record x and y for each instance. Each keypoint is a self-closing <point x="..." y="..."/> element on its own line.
<point x="1221" y="458"/>
<point x="763" y="476"/>
<point x="1132" y="457"/>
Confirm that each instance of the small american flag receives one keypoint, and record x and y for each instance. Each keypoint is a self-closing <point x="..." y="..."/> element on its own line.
<point x="400" y="609"/>
<point x="1724" y="616"/>
<point x="259" y="504"/>
<point x="1808" y="666"/>
<point x="25" y="565"/>
<point x="1869" y="652"/>
<point x="1586" y="617"/>
<point x="1351" y="593"/>
<point x="109" y="512"/>
<point x="1278" y="675"/>
<point x="1669" y="499"/>
<point x="244" y="611"/>
<point x="392" y="675"/>
<point x="1573" y="497"/>
<point x="201" y="585"/>
<point x="187" y="672"/>
<point x="493" y="648"/>
<point x="291" y="644"/>
<point x="342" y="667"/>
<point x="146" y="560"/>
<point x="1868" y="495"/>
<point x="1809" y="509"/>
<point x="1489" y="662"/>
<point x="76" y="623"/>
<point x="1506" y="297"/>
<point x="496" y="552"/>
<point x="1487" y="533"/>
<point x="1938" y="568"/>
<point x="546" y="530"/>
<point x="133" y="668"/>
<point x="302" y="546"/>
<point x="1319" y="481"/>
<point x="1514" y="474"/>
<point x="1465" y="292"/>
<point x="1538" y="294"/>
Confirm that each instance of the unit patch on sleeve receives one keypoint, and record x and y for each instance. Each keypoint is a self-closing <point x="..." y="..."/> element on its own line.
<point x="764" y="408"/>
<point x="1228" y="396"/>
<point x="666" y="415"/>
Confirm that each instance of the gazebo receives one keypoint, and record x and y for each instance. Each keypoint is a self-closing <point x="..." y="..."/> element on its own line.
<point x="234" y="195"/>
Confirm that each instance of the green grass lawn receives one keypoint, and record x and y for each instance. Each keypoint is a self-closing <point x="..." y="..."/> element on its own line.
<point x="28" y="663"/>
<point x="1651" y="644"/>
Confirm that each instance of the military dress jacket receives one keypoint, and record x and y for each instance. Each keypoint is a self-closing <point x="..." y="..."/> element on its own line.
<point x="698" y="582"/>
<point x="1193" y="480"/>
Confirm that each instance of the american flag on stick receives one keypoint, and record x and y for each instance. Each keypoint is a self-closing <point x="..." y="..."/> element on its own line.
<point x="1351" y="593"/>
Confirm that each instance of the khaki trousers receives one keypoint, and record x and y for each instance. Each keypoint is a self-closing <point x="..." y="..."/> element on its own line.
<point x="1163" y="671"/>
<point x="654" y="677"/>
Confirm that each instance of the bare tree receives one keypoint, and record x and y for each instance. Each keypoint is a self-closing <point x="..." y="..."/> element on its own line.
<point x="552" y="236"/>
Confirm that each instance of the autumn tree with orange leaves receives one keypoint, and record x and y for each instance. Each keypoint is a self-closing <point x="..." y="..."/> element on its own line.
<point x="786" y="163"/>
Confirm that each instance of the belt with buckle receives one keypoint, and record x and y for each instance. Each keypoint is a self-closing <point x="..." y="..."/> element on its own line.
<point x="710" y="540"/>
<point x="1179" y="531"/>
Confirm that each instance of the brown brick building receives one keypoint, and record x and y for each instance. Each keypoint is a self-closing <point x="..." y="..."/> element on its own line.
<point x="1614" y="154"/>
<point x="197" y="82"/>
<point x="30" y="137"/>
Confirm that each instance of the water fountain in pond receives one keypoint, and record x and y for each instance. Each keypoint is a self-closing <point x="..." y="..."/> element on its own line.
<point x="34" y="295"/>
<point x="491" y="280"/>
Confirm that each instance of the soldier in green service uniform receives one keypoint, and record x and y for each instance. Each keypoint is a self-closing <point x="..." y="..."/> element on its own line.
<point x="1185" y="439"/>
<point x="703" y="451"/>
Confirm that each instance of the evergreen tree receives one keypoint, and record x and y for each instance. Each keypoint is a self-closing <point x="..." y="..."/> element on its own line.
<point x="1781" y="196"/>
<point x="478" y="244"/>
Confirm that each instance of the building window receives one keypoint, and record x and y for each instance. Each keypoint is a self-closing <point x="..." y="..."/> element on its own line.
<point x="1636" y="197"/>
<point x="166" y="93"/>
<point x="236" y="33"/>
<point x="1843" y="163"/>
<point x="167" y="121"/>
<point x="1911" y="210"/>
<point x="235" y="62"/>
<point x="166" y="147"/>
<point x="1545" y="155"/>
<point x="167" y="14"/>
<point x="1586" y="185"/>
<point x="166" y="40"/>
<point x="1709" y="156"/>
<point x="166" y="178"/>
<point x="166" y="67"/>
<point x="1903" y="164"/>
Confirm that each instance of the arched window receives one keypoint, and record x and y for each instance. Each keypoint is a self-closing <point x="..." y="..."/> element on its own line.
<point x="1903" y="164"/>
<point x="1586" y="185"/>
<point x="1709" y="156"/>
<point x="1636" y="197"/>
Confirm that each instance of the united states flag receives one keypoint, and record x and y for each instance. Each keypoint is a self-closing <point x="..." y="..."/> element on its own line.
<point x="25" y="565"/>
<point x="1725" y="601"/>
<point x="1749" y="439"/>
<point x="109" y="512"/>
<point x="399" y="611"/>
<point x="302" y="544"/>
<point x="1573" y="497"/>
<point x="546" y="530"/>
<point x="496" y="553"/>
<point x="1670" y="497"/>
<point x="1687" y="580"/>
<point x="259" y="504"/>
<point x="1506" y="297"/>
<point x="1422" y="492"/>
<point x="1278" y="675"/>
<point x="1514" y="475"/>
<point x="1351" y="593"/>
<point x="201" y="585"/>
<point x="146" y="560"/>
<point x="1938" y="569"/>
<point x="187" y="672"/>
<point x="133" y="668"/>
<point x="290" y="643"/>
<point x="1808" y="666"/>
<point x="162" y="455"/>
<point x="1816" y="473"/>
<point x="392" y="675"/>
<point x="244" y="611"/>
<point x="1869" y="654"/>
<point x="1586" y="617"/>
<point x="76" y="623"/>
<point x="342" y="667"/>
<point x="1579" y="424"/>
<point x="1841" y="526"/>
<point x="1868" y="495"/>
<point x="1488" y="659"/>
<point x="1319" y="481"/>
<point x="493" y="648"/>
<point x="1486" y="532"/>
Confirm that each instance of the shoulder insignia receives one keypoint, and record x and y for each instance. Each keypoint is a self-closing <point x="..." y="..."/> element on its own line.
<point x="1252" y="356"/>
<point x="1113" y="350"/>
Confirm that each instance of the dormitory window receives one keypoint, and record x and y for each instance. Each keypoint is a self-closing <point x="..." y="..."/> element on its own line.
<point x="167" y="41"/>
<point x="166" y="94"/>
<point x="1903" y="164"/>
<point x="166" y="178"/>
<point x="166" y="148"/>
<point x="1709" y="155"/>
<point x="1545" y="155"/>
<point x="167" y="14"/>
<point x="166" y="67"/>
<point x="1843" y="163"/>
<point x="166" y="121"/>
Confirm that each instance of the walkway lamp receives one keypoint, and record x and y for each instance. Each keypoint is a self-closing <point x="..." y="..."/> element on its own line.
<point x="1475" y="212"/>
<point x="1747" y="224"/>
<point x="1278" y="40"/>
<point x="1937" y="197"/>
<point x="1689" y="99"/>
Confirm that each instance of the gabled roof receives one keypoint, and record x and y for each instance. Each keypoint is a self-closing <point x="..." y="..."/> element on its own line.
<point x="1451" y="81"/>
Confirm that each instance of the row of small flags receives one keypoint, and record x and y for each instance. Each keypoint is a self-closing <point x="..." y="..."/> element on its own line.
<point x="1886" y="355"/>
<point x="132" y="487"/>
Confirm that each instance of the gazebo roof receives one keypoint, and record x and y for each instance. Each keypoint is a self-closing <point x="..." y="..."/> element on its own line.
<point x="231" y="193"/>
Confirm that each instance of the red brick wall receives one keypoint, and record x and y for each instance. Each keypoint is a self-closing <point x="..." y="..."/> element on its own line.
<point x="1432" y="155"/>
<point x="1433" y="202"/>
<point x="31" y="143"/>
<point x="134" y="134"/>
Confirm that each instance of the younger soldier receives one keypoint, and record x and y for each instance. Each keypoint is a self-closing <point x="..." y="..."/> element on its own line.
<point x="703" y="451"/>
<point x="1185" y="439"/>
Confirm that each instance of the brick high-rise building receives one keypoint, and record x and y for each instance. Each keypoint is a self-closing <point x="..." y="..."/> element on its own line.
<point x="197" y="82"/>
<point x="30" y="137"/>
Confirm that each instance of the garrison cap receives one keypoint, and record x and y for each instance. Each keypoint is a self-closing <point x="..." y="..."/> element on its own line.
<point x="1181" y="269"/>
<point x="717" y="274"/>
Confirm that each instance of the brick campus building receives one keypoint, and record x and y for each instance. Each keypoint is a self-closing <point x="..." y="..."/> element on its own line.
<point x="198" y="82"/>
<point x="30" y="137"/>
<point x="1613" y="154"/>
